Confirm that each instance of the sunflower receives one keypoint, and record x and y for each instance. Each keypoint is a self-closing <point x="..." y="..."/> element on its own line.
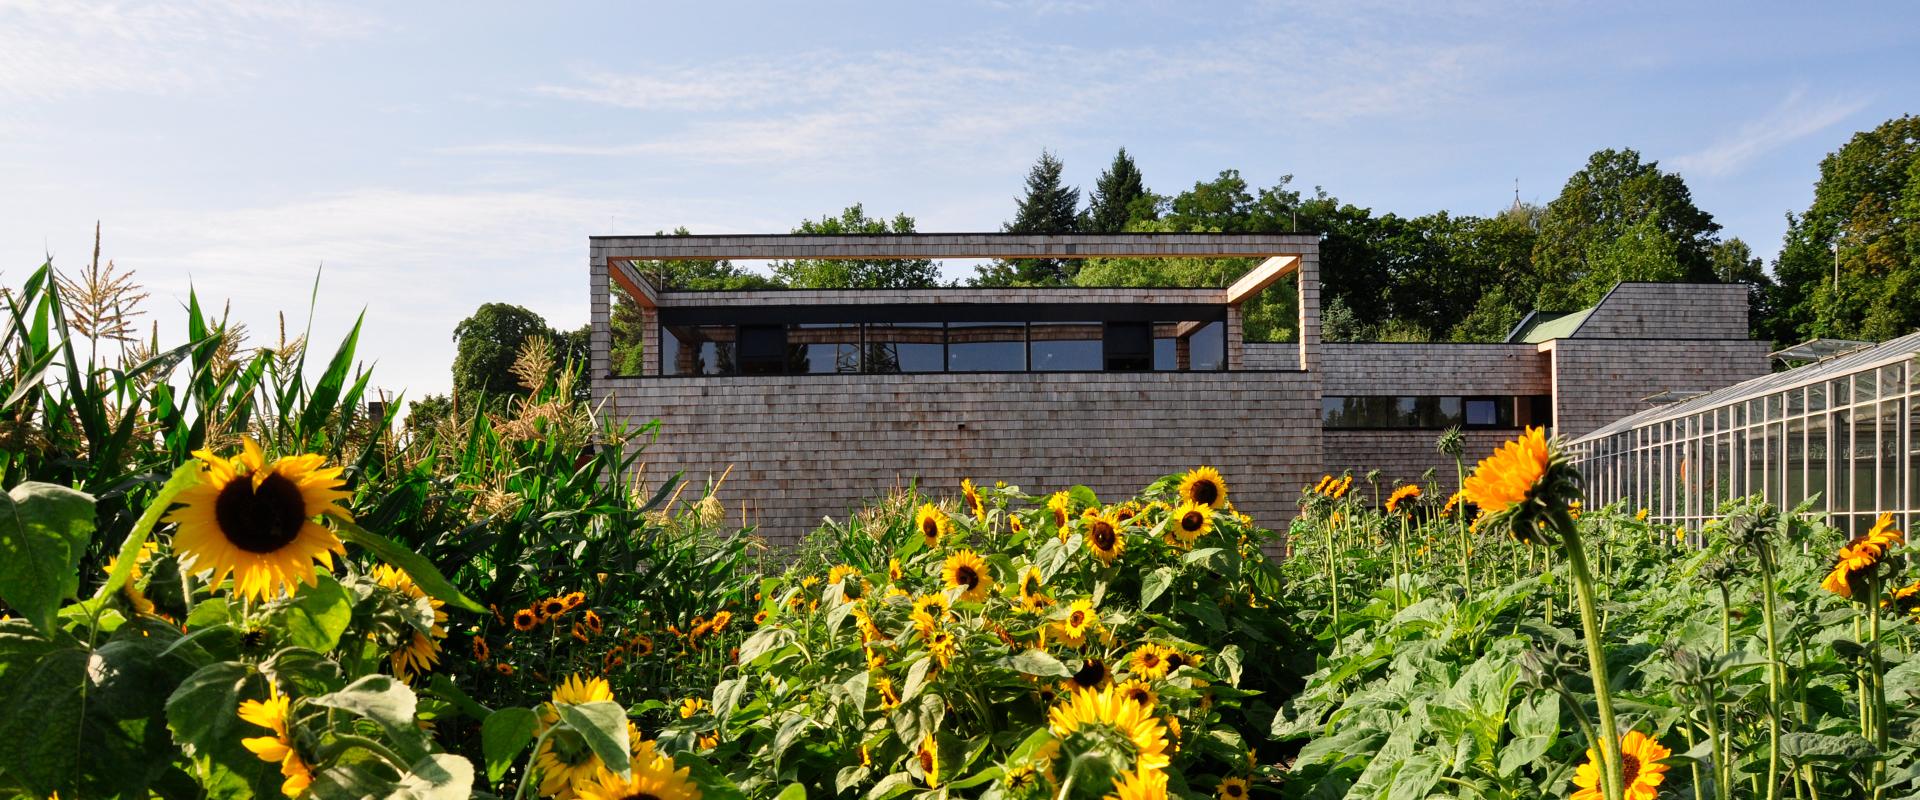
<point x="573" y="599"/>
<point x="1509" y="475"/>
<point x="894" y="572"/>
<point x="421" y="651"/>
<point x="929" y="757"/>
<point x="1321" y="487"/>
<point x="503" y="668"/>
<point x="1149" y="661"/>
<point x="1203" y="486"/>
<point x="593" y="622"/>
<point x="1139" y="692"/>
<point x="721" y="619"/>
<point x="1016" y="525"/>
<point x="1453" y="502"/>
<point x="642" y="645"/>
<point x="553" y="607"/>
<point x="1080" y="619"/>
<point x="840" y="573"/>
<point x="1640" y="771"/>
<point x="1340" y="489"/>
<point x="1231" y="789"/>
<point x="1177" y="659"/>
<point x="932" y="524"/>
<point x="760" y="617"/>
<point x="942" y="645"/>
<point x="973" y="498"/>
<point x="651" y="776"/>
<point x="928" y="603"/>
<point x="1904" y="600"/>
<point x="1190" y="522"/>
<point x="1060" y="504"/>
<point x="1859" y="557"/>
<point x="691" y="706"/>
<point x="1031" y="598"/>
<point x="272" y="714"/>
<point x="255" y="520"/>
<point x="131" y="589"/>
<point x="889" y="699"/>
<point x="525" y="619"/>
<point x="1109" y="709"/>
<point x="967" y="571"/>
<point x="1404" y="496"/>
<point x="1140" y="784"/>
<point x="1103" y="538"/>
<point x="481" y="652"/>
<point x="1092" y="674"/>
<point x="1124" y="513"/>
<point x="1640" y="516"/>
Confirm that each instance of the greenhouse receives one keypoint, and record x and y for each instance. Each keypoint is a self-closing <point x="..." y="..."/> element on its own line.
<point x="1842" y="432"/>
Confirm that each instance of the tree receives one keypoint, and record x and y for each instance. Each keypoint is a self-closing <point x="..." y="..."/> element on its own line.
<point x="898" y="273"/>
<point x="1864" y="223"/>
<point x="488" y="342"/>
<point x="1049" y="206"/>
<point x="1620" y="219"/>
<point x="1734" y="262"/>
<point x="1118" y="198"/>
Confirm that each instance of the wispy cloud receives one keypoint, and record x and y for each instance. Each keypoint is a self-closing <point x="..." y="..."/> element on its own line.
<point x="1795" y="117"/>
<point x="50" y="49"/>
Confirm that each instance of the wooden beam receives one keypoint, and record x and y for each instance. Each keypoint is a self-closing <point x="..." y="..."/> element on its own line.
<point x="1261" y="277"/>
<point x="630" y="279"/>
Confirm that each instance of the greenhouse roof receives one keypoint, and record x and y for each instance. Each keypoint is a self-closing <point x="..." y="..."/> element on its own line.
<point x="1891" y="351"/>
<point x="1541" y="326"/>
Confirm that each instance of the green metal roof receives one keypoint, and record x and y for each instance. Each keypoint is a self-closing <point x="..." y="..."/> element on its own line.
<point x="1546" y="326"/>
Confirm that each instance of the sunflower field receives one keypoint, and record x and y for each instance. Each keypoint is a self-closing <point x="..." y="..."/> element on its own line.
<point x="221" y="579"/>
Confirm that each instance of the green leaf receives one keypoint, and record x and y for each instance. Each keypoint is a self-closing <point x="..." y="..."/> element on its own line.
<point x="1154" y="585"/>
<point x="762" y="641"/>
<point x="1212" y="558"/>
<point x="44" y="530"/>
<point x="505" y="733"/>
<point x="604" y="725"/>
<point x="315" y="616"/>
<point x="1229" y="661"/>
<point x="419" y="569"/>
<point x="203" y="713"/>
<point x="377" y="697"/>
<point x="439" y="776"/>
<point x="1038" y="662"/>
<point x="794" y="791"/>
<point x="184" y="477"/>
<point x="894" y="785"/>
<point x="1803" y="747"/>
<point x="444" y="688"/>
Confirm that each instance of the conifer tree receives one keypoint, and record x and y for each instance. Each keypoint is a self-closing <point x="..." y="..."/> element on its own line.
<point x="1049" y="206"/>
<point x="1118" y="198"/>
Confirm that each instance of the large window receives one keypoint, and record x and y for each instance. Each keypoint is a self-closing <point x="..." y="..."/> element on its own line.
<point x="955" y="337"/>
<point x="1362" y="412"/>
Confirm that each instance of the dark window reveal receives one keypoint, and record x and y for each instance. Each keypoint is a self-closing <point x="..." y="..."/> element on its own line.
<point x="1129" y="346"/>
<point x="1433" y="411"/>
<point x="763" y="349"/>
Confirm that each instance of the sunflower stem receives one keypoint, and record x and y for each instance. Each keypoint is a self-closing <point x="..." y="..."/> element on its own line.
<point x="1775" y="673"/>
<point x="526" y="774"/>
<point x="1596" y="651"/>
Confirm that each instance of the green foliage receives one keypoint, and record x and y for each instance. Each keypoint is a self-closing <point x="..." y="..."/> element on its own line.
<point x="901" y="273"/>
<point x="1860" y="221"/>
<point x="1620" y="219"/>
<point x="1048" y="205"/>
<point x="488" y="342"/>
<point x="1118" y="199"/>
<point x="44" y="531"/>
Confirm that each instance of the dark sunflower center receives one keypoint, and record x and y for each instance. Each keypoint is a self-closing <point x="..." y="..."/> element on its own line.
<point x="1140" y="697"/>
<point x="1149" y="660"/>
<point x="260" y="520"/>
<point x="965" y="576"/>
<point x="1077" y="619"/>
<point x="926" y="760"/>
<point x="1629" y="768"/>
<point x="1233" y="790"/>
<point x="1103" y="536"/>
<point x="1206" y="493"/>
<point x="930" y="529"/>
<point x="1191" y="521"/>
<point x="1091" y="674"/>
<point x="1176" y="661"/>
<point x="642" y="796"/>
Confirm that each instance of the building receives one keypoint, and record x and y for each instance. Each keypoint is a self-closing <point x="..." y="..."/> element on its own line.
<point x="821" y="400"/>
<point x="1842" y="433"/>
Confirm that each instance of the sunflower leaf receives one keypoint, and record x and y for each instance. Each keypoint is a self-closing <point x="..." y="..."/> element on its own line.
<point x="183" y="478"/>
<point x="1038" y="662"/>
<point x="43" y="532"/>
<point x="604" y="725"/>
<point x="1154" y="585"/>
<point x="316" y="616"/>
<point x="377" y="697"/>
<point x="418" y="568"/>
<point x="502" y="736"/>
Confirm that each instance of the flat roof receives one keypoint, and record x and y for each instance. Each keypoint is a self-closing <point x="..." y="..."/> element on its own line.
<point x="954" y="245"/>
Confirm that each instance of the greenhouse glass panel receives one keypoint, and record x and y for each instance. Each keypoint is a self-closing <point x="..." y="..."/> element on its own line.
<point x="1888" y="453"/>
<point x="1818" y="451"/>
<point x="1842" y="448"/>
<point x="1860" y="458"/>
<point x="1796" y="463"/>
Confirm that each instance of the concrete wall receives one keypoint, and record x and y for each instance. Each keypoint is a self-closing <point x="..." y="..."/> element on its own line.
<point x="813" y="446"/>
<point x="1669" y="311"/>
<point x="1596" y="381"/>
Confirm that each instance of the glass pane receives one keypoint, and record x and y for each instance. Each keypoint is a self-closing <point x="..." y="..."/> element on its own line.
<point x="986" y="347"/>
<point x="1817" y="397"/>
<point x="1208" y="347"/>
<point x="1864" y="425"/>
<point x="905" y="347"/>
<point x="1776" y="463"/>
<point x="1167" y="350"/>
<point x="1888" y="450"/>
<point x="1796" y="459"/>
<point x="1796" y="402"/>
<point x="1891" y="380"/>
<point x="1738" y="467"/>
<point x="1913" y="451"/>
<point x="824" y="348"/>
<point x="1483" y="411"/>
<point x="1066" y="346"/>
<point x="697" y="349"/>
<point x="1841" y="391"/>
<point x="1818" y="452"/>
<point x="1863" y="388"/>
<point x="1842" y="472"/>
<point x="762" y="349"/>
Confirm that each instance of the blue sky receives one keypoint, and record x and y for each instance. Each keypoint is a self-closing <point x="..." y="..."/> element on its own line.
<point x="437" y="156"/>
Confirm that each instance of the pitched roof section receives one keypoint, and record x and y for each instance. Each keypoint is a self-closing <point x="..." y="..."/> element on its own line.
<point x="1544" y="326"/>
